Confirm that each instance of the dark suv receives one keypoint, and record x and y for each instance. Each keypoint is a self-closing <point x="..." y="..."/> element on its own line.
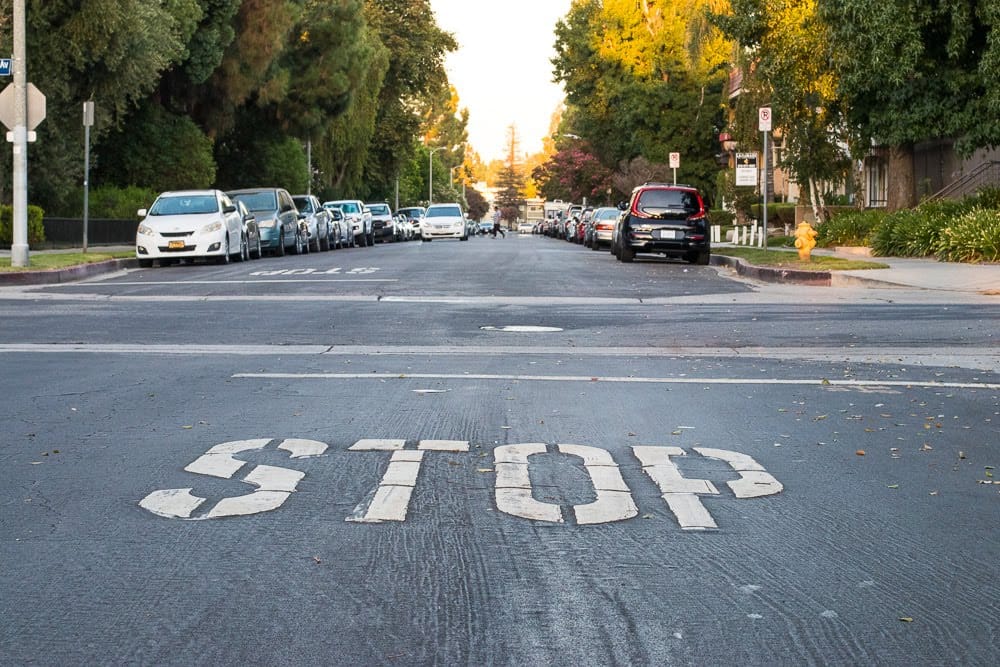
<point x="663" y="219"/>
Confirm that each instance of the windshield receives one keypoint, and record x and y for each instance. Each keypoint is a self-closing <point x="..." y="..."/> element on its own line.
<point x="348" y="207"/>
<point x="652" y="201"/>
<point x="444" y="212"/>
<point x="304" y="204"/>
<point x="191" y="205"/>
<point x="379" y="209"/>
<point x="258" y="201"/>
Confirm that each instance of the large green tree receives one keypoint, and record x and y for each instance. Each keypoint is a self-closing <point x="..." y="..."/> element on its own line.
<point x="913" y="70"/>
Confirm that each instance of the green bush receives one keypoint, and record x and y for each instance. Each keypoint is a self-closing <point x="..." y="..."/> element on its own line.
<point x="119" y="203"/>
<point x="718" y="216"/>
<point x="849" y="228"/>
<point x="973" y="236"/>
<point x="777" y="214"/>
<point x="36" y="232"/>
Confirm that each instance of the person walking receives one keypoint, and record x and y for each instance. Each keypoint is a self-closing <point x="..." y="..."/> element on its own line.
<point x="496" y="224"/>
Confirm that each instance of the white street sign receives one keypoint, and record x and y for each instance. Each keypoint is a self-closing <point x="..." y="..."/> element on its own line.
<point x="746" y="169"/>
<point x="675" y="160"/>
<point x="764" y="118"/>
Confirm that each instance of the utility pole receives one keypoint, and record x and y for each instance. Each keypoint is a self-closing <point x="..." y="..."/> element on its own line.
<point x="88" y="121"/>
<point x="19" y="248"/>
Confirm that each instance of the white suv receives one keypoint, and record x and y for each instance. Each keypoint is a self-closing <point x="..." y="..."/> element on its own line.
<point x="358" y="217"/>
<point x="443" y="221"/>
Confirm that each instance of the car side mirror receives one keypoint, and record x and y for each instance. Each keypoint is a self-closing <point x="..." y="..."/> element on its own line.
<point x="142" y="213"/>
<point x="229" y="209"/>
<point x="302" y="216"/>
<point x="622" y="205"/>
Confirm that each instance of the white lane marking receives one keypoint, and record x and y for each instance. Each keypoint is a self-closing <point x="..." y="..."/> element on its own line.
<point x="391" y="498"/>
<point x="274" y="484"/>
<point x="515" y="496"/>
<point x="614" y="499"/>
<point x="520" y="502"/>
<point x="388" y="444"/>
<point x="609" y="506"/>
<point x="977" y="358"/>
<point x="679" y="492"/>
<point x="822" y="382"/>
<point x="690" y="513"/>
<point x="301" y="449"/>
<point x="444" y="445"/>
<point x="516" y="328"/>
<point x="754" y="481"/>
<point x="172" y="503"/>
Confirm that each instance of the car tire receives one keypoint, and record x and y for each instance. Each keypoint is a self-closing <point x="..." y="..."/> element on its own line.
<point x="371" y="238"/>
<point x="626" y="253"/>
<point x="464" y="238"/>
<point x="426" y="239"/>
<point x="701" y="258"/>
<point x="301" y="245"/>
<point x="145" y="263"/>
<point x="244" y="255"/>
<point x="280" y="250"/>
<point x="360" y="240"/>
<point x="259" y="252"/>
<point x="594" y="245"/>
<point x="324" y="243"/>
<point x="224" y="258"/>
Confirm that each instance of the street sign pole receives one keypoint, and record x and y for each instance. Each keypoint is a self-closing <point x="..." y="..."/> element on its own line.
<point x="19" y="248"/>
<point x="764" y="118"/>
<point x="88" y="121"/>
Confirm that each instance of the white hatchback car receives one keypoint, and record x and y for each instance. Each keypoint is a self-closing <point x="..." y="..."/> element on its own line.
<point x="190" y="224"/>
<point x="443" y="221"/>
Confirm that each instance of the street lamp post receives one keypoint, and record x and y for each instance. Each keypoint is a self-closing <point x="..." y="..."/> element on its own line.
<point x="430" y="174"/>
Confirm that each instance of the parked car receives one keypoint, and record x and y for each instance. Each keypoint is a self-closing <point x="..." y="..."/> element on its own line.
<point x="443" y="221"/>
<point x="404" y="230"/>
<point x="664" y="219"/>
<point x="189" y="224"/>
<point x="359" y="219"/>
<point x="600" y="227"/>
<point x="280" y="226"/>
<point x="412" y="213"/>
<point x="250" y="231"/>
<point x="525" y="227"/>
<point x="317" y="221"/>
<point x="343" y="233"/>
<point x="383" y="222"/>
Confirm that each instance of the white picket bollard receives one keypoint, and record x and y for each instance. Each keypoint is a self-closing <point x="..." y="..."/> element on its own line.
<point x="745" y="232"/>
<point x="760" y="238"/>
<point x="753" y="235"/>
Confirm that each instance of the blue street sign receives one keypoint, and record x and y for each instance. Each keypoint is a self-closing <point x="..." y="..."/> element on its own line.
<point x="6" y="64"/>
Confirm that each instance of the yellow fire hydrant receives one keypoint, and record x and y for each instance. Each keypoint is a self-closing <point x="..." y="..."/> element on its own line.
<point x="805" y="240"/>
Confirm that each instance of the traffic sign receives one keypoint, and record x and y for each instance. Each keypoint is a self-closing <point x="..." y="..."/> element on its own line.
<point x="764" y="118"/>
<point x="36" y="107"/>
<point x="675" y="160"/>
<point x="6" y="66"/>
<point x="746" y="169"/>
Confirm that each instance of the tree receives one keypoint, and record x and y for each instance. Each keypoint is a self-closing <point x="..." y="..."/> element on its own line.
<point x="573" y="174"/>
<point x="785" y="65"/>
<point x="913" y="70"/>
<point x="478" y="207"/>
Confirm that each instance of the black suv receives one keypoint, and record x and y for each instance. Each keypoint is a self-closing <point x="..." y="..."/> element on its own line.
<point x="664" y="219"/>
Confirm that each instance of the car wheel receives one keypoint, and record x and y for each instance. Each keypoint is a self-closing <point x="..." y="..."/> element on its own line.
<point x="259" y="252"/>
<point x="360" y="240"/>
<point x="313" y="243"/>
<point x="427" y="239"/>
<point x="594" y="245"/>
<point x="224" y="258"/>
<point x="145" y="263"/>
<point x="371" y="238"/>
<point x="464" y="238"/>
<point x="280" y="250"/>
<point x="625" y="252"/>
<point x="300" y="244"/>
<point x="324" y="243"/>
<point x="701" y="258"/>
<point x="244" y="255"/>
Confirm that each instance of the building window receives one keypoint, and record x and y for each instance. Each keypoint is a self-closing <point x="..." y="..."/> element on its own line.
<point x="877" y="180"/>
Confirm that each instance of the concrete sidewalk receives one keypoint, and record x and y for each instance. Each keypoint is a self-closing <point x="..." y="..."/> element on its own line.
<point x="928" y="274"/>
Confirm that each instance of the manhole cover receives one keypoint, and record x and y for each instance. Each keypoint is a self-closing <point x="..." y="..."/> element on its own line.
<point x="521" y="328"/>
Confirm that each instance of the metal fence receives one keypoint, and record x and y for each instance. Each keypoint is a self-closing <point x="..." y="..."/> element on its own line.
<point x="68" y="232"/>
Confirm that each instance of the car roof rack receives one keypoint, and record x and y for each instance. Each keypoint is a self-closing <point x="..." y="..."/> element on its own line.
<point x="667" y="185"/>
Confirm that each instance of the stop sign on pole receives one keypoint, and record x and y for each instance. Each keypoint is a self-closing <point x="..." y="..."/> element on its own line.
<point x="36" y="107"/>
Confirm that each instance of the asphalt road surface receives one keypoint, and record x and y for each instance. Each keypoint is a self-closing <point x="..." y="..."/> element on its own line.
<point x="499" y="452"/>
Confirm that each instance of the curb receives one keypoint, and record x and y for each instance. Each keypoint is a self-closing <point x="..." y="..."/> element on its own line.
<point x="767" y="274"/>
<point x="69" y="274"/>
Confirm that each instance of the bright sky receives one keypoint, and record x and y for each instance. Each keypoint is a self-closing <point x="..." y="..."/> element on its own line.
<point x="502" y="68"/>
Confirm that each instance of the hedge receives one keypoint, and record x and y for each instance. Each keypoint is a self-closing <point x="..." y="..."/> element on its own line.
<point x="36" y="232"/>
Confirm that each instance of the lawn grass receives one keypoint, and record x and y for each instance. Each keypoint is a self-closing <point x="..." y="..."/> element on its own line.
<point x="41" y="261"/>
<point x="784" y="259"/>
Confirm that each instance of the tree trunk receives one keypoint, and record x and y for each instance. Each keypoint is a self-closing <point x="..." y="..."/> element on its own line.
<point x="901" y="190"/>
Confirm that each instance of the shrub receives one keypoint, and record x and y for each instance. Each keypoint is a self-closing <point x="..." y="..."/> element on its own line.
<point x="36" y="232"/>
<point x="973" y="236"/>
<point x="777" y="214"/>
<point x="849" y="228"/>
<point x="718" y="216"/>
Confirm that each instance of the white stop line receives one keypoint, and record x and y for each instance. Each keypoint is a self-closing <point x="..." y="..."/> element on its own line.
<point x="515" y="495"/>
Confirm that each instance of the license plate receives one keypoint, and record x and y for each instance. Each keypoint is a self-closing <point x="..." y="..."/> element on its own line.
<point x="666" y="234"/>
<point x="175" y="245"/>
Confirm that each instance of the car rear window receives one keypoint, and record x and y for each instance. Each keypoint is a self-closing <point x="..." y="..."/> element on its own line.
<point x="349" y="207"/>
<point x="444" y="212"/>
<point x="258" y="201"/>
<point x="304" y="204"/>
<point x="192" y="205"/>
<point x="606" y="214"/>
<point x="657" y="201"/>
